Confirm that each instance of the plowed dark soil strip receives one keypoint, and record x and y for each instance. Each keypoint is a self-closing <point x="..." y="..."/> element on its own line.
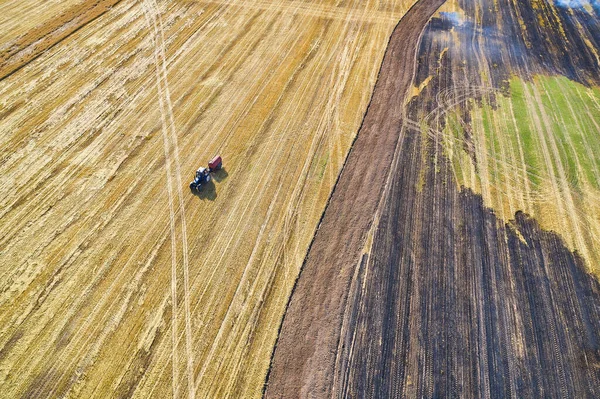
<point x="303" y="361"/>
<point x="34" y="43"/>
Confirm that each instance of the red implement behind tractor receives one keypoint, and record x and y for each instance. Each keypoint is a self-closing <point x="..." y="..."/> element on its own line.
<point x="215" y="164"/>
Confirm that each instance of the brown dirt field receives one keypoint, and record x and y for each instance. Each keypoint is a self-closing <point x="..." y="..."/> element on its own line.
<point x="305" y="354"/>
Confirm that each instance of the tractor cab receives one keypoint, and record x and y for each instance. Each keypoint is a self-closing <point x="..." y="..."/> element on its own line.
<point x="202" y="174"/>
<point x="202" y="177"/>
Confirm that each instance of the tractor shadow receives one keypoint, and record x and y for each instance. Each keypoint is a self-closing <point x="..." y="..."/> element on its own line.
<point x="219" y="175"/>
<point x="209" y="190"/>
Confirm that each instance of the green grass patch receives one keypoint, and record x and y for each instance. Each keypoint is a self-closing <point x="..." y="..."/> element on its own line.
<point x="575" y="114"/>
<point x="521" y="131"/>
<point x="568" y="118"/>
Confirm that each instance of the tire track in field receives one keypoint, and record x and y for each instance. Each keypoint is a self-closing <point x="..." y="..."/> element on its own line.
<point x="74" y="254"/>
<point x="152" y="13"/>
<point x="108" y="295"/>
<point x="184" y="241"/>
<point x="105" y="221"/>
<point x="41" y="386"/>
<point x="247" y="204"/>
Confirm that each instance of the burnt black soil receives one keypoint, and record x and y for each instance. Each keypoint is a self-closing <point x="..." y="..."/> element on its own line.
<point x="504" y="38"/>
<point x="457" y="303"/>
<point x="452" y="301"/>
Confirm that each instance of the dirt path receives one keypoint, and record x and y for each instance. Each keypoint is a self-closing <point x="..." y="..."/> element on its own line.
<point x="303" y="360"/>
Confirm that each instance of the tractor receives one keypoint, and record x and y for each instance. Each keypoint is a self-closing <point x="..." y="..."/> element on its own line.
<point x="203" y="174"/>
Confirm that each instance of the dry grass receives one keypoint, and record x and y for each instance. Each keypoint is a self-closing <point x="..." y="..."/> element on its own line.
<point x="20" y="17"/>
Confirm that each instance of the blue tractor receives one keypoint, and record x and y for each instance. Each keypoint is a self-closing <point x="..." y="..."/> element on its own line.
<point x="203" y="174"/>
<point x="202" y="177"/>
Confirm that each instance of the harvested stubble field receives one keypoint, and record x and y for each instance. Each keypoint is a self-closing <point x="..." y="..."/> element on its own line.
<point x="28" y="28"/>
<point x="117" y="281"/>
<point x="472" y="277"/>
